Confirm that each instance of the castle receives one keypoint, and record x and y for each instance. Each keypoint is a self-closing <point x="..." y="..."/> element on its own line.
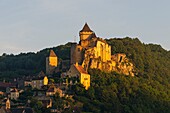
<point x="95" y="52"/>
<point x="91" y="52"/>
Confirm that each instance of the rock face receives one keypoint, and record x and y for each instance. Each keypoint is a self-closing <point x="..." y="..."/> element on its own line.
<point x="94" y="52"/>
<point x="123" y="65"/>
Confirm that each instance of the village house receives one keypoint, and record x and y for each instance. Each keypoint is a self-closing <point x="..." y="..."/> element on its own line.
<point x="14" y="94"/>
<point x="52" y="90"/>
<point x="6" y="87"/>
<point x="7" y="108"/>
<point x="78" y="71"/>
<point x="46" y="101"/>
<point x="39" y="81"/>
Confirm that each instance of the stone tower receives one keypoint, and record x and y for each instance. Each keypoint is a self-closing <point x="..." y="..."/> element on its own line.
<point x="51" y="62"/>
<point x="85" y="35"/>
<point x="8" y="105"/>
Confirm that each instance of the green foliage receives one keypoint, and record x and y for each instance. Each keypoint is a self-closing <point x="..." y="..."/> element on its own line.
<point x="147" y="92"/>
<point x="12" y="66"/>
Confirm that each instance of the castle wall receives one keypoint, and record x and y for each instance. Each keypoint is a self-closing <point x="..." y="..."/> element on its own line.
<point x="85" y="80"/>
<point x="94" y="52"/>
<point x="84" y="43"/>
<point x="53" y="61"/>
<point x="103" y="51"/>
<point x="73" y="53"/>
<point x="51" y="64"/>
<point x="76" y="54"/>
<point x="79" y="54"/>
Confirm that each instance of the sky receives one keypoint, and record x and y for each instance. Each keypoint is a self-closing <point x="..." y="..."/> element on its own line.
<point x="33" y="25"/>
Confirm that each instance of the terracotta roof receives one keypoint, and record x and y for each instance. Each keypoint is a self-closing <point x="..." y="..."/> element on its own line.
<point x="52" y="54"/>
<point x="86" y="28"/>
<point x="14" y="90"/>
<point x="80" y="69"/>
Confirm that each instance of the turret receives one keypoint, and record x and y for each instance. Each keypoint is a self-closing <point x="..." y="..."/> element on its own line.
<point x="51" y="62"/>
<point x="85" y="32"/>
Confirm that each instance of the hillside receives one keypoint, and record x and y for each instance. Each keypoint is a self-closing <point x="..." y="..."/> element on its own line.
<point x="29" y="63"/>
<point x="147" y="92"/>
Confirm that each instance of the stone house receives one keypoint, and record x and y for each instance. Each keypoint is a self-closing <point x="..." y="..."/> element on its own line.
<point x="52" y="90"/>
<point x="39" y="81"/>
<point x="14" y="94"/>
<point x="78" y="71"/>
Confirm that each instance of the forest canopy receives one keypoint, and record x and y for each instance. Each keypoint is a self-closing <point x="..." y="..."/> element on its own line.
<point x="147" y="92"/>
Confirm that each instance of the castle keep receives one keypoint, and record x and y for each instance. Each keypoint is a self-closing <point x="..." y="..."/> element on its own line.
<point x="94" y="52"/>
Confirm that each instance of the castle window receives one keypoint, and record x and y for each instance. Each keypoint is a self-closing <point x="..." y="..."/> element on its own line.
<point x="120" y="59"/>
<point x="85" y="78"/>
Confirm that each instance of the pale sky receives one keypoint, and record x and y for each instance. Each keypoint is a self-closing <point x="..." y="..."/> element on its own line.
<point x="32" y="25"/>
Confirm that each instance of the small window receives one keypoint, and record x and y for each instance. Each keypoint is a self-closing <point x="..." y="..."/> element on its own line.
<point x="120" y="59"/>
<point x="85" y="78"/>
<point x="78" y="49"/>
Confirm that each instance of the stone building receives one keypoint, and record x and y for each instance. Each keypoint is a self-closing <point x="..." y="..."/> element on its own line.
<point x="95" y="52"/>
<point x="14" y="94"/>
<point x="51" y="63"/>
<point x="39" y="81"/>
<point x="78" y="71"/>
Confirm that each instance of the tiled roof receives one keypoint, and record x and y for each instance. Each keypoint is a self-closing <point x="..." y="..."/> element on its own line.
<point x="52" y="54"/>
<point x="80" y="69"/>
<point x="86" y="28"/>
<point x="14" y="90"/>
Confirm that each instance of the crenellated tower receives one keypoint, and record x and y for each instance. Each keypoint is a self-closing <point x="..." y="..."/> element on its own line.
<point x="85" y="35"/>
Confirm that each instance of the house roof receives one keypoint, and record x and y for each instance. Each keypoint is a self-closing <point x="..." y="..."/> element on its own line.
<point x="86" y="28"/>
<point x="14" y="90"/>
<point x="52" y="54"/>
<point x="21" y="110"/>
<point x="80" y="69"/>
